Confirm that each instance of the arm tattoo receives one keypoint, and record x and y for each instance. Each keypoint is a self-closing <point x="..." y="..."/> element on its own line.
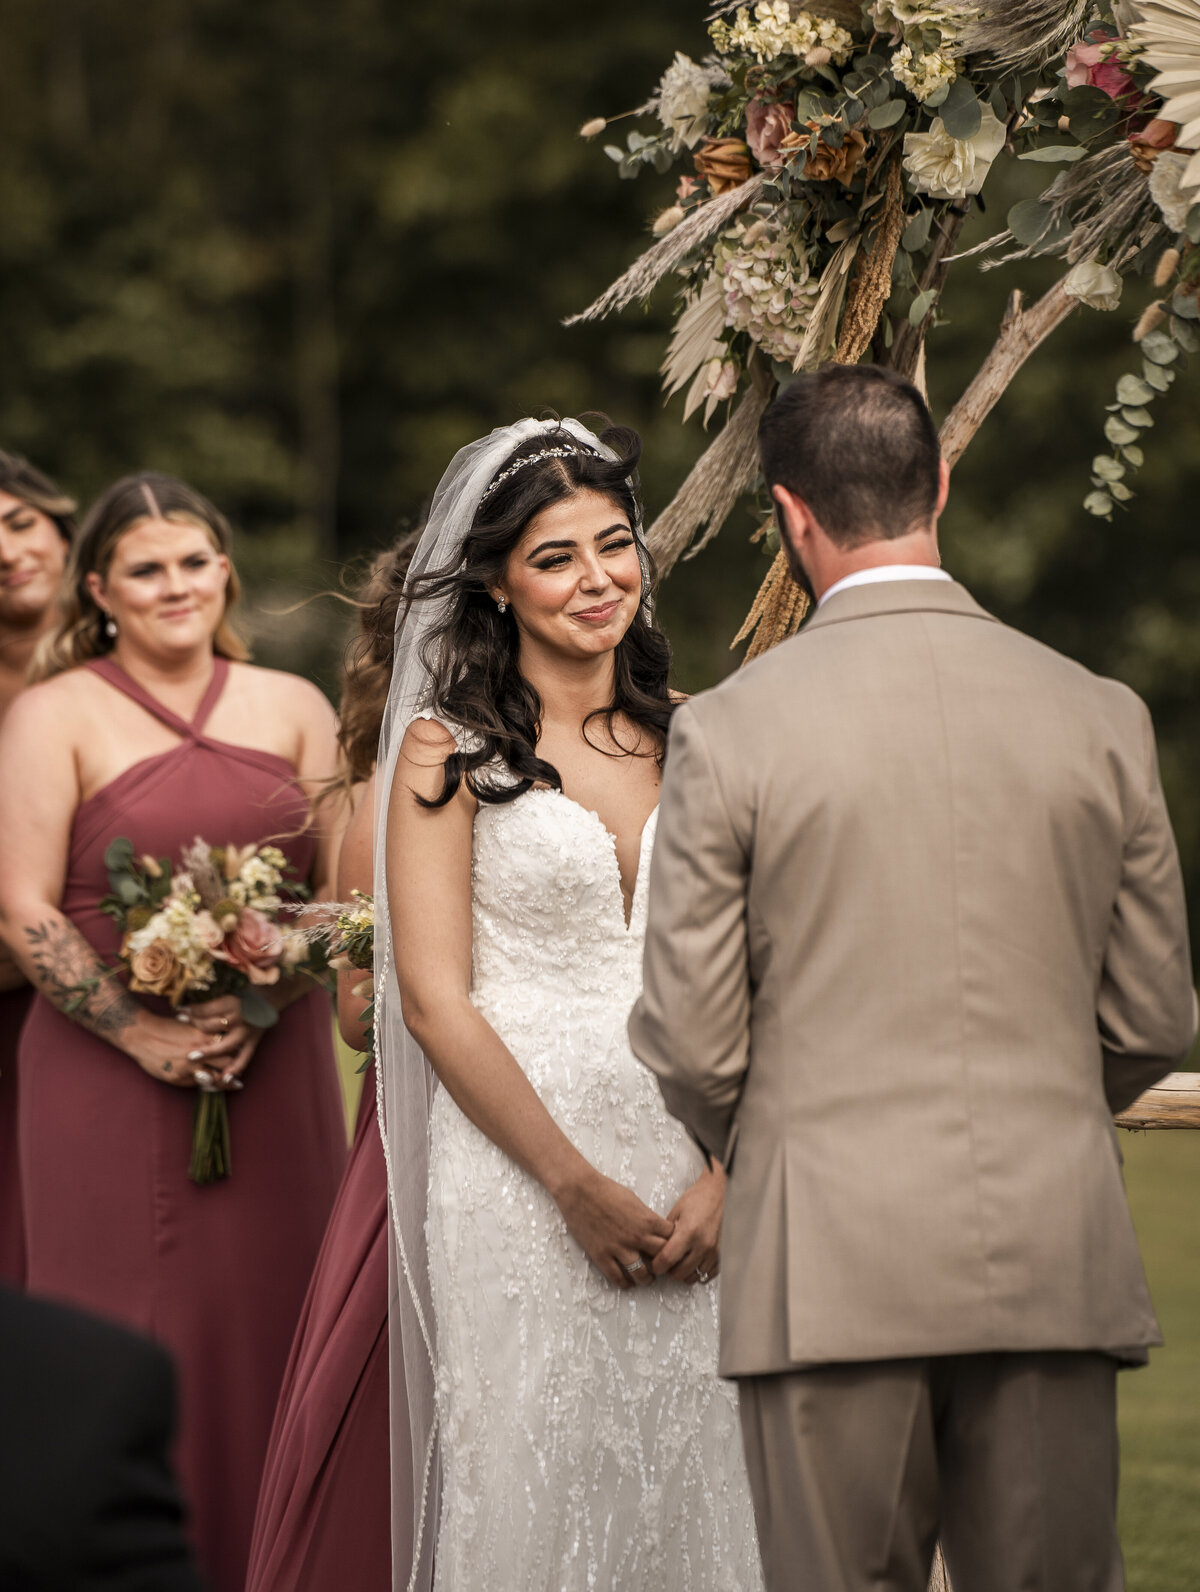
<point x="72" y="977"/>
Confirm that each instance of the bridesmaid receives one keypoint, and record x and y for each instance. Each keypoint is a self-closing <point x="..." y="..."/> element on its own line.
<point x="324" y="1512"/>
<point x="149" y="723"/>
<point x="36" y="526"/>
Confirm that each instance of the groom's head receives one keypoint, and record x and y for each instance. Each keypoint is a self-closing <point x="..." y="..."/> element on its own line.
<point x="850" y="455"/>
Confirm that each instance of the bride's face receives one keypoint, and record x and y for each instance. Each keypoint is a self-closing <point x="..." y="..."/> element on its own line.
<point x="574" y="581"/>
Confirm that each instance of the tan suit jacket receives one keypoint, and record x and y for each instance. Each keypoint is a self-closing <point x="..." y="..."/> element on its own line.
<point x="916" y="929"/>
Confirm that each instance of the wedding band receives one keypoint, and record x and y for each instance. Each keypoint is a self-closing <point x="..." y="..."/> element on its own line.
<point x="635" y="1265"/>
<point x="703" y="1275"/>
<point x="224" y="1025"/>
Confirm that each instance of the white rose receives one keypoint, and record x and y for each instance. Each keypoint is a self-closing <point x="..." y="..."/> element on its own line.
<point x="683" y="100"/>
<point x="1166" y="176"/>
<point x="951" y="168"/>
<point x="1096" y="285"/>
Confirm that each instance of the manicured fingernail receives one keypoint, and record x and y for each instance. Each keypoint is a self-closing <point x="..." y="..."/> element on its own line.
<point x="182" y="1017"/>
<point x="235" y="1083"/>
<point x="195" y="1055"/>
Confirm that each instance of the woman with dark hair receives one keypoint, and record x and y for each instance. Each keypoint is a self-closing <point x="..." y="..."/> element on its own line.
<point x="149" y="723"/>
<point x="324" y="1510"/>
<point x="557" y="1234"/>
<point x="37" y="522"/>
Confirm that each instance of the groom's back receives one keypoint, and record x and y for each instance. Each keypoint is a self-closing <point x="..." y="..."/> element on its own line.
<point x="938" y="815"/>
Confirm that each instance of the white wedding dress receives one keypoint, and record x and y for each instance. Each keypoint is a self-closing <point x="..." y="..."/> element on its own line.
<point x="586" y="1440"/>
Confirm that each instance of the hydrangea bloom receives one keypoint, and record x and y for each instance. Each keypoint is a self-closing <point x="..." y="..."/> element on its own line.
<point x="769" y="292"/>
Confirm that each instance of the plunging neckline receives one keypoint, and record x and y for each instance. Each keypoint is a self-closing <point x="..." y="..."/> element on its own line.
<point x="590" y="812"/>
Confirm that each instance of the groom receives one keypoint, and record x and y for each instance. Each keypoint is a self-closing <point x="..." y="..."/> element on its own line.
<point x="916" y="931"/>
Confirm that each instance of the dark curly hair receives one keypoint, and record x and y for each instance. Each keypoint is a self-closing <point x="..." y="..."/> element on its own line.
<point x="472" y="654"/>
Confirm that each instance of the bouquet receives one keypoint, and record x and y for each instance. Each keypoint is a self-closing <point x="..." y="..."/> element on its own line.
<point x="346" y="935"/>
<point x="210" y="928"/>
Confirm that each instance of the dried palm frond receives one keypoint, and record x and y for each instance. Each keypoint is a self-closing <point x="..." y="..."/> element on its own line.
<point x="1107" y="203"/>
<point x="821" y="335"/>
<point x="724" y="471"/>
<point x="695" y="340"/>
<point x="644" y="275"/>
<point x="1019" y="34"/>
<point x="1169" y="33"/>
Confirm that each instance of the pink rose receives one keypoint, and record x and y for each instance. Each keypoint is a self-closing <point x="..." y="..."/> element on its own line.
<point x="767" y="125"/>
<point x="254" y="947"/>
<point x="1096" y="66"/>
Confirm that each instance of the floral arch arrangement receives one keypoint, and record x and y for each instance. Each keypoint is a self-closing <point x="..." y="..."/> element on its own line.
<point x="835" y="152"/>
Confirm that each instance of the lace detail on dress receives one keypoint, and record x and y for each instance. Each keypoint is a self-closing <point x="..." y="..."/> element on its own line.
<point x="587" y="1442"/>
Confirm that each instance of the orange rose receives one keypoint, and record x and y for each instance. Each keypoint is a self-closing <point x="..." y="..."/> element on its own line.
<point x="1150" y="141"/>
<point x="828" y="164"/>
<point x="723" y="162"/>
<point x="156" y="970"/>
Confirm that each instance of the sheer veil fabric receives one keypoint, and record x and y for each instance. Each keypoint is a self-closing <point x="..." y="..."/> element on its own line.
<point x="405" y="1082"/>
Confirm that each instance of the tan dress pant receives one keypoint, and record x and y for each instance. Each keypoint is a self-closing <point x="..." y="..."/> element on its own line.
<point x="1011" y="1458"/>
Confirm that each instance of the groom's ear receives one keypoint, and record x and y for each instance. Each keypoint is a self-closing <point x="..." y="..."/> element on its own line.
<point x="795" y="516"/>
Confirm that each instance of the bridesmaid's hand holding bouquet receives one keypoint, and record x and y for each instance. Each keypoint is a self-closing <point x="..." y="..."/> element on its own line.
<point x="204" y="936"/>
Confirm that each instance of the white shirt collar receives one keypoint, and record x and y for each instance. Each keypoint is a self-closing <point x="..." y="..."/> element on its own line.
<point x="870" y="577"/>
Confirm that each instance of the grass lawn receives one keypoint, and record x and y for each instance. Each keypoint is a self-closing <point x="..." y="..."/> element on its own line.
<point x="1160" y="1406"/>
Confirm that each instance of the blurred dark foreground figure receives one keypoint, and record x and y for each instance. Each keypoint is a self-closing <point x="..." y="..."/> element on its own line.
<point x="87" y="1499"/>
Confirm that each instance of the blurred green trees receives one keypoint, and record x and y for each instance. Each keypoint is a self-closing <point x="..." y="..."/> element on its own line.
<point x="300" y="253"/>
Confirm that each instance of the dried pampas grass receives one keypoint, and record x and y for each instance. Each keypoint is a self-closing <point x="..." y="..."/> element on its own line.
<point x="644" y="275"/>
<point x="1107" y="202"/>
<point x="724" y="471"/>
<point x="1018" y="34"/>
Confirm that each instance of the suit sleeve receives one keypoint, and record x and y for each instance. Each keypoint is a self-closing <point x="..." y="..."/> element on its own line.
<point x="138" y="1542"/>
<point x="1146" y="1006"/>
<point x="691" y="1026"/>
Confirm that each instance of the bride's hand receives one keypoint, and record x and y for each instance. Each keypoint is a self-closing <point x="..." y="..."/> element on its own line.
<point x="618" y="1234"/>
<point x="693" y="1252"/>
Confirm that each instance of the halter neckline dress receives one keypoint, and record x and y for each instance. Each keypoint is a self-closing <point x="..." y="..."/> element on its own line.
<point x="217" y="1274"/>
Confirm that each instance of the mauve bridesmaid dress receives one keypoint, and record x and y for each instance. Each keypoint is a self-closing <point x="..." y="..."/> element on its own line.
<point x="217" y="1274"/>
<point x="324" y="1513"/>
<point x="14" y="1008"/>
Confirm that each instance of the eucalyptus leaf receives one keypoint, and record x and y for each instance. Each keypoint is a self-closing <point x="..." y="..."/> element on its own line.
<point x="1134" y="455"/>
<point x="938" y="97"/>
<point x="961" y="112"/>
<point x="629" y="166"/>
<point x="636" y="141"/>
<point x="1118" y="433"/>
<point x="1185" y="306"/>
<point x="1192" y="224"/>
<point x="119" y="854"/>
<point x="916" y="234"/>
<point x="257" y="1009"/>
<point x="1158" y="348"/>
<point x="1184" y="335"/>
<point x="887" y="114"/>
<point x="1051" y="153"/>
<point x="614" y="153"/>
<point x="1137" y="417"/>
<point x="1028" y="221"/>
<point x="1108" y="469"/>
<point x="854" y="111"/>
<point x="922" y="305"/>
<point x="662" y="160"/>
<point x="129" y="891"/>
<point x="1159" y="377"/>
<point x="998" y="100"/>
<point x="1099" y="504"/>
<point x="1133" y="390"/>
<point x="1120" y="491"/>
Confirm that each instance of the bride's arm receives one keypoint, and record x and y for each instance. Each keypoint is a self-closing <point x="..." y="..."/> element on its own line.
<point x="429" y="897"/>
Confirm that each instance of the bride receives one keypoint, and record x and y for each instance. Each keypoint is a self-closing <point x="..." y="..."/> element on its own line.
<point x="557" y="1234"/>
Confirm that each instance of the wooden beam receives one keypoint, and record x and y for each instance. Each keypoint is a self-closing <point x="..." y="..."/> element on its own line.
<point x="1173" y="1103"/>
<point x="1021" y="331"/>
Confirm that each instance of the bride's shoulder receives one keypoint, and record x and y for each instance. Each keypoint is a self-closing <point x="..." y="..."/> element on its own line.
<point x="427" y="737"/>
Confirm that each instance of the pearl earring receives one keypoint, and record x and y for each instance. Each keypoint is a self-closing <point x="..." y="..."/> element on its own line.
<point x="110" y="629"/>
<point x="502" y="604"/>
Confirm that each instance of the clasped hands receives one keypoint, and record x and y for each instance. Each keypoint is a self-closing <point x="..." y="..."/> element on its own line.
<point x="632" y="1245"/>
<point x="206" y="1046"/>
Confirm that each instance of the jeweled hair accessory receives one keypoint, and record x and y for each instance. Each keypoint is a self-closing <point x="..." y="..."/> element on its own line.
<point x="535" y="458"/>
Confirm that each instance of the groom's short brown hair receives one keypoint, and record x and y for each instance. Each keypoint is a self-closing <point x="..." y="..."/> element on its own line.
<point x="859" y="445"/>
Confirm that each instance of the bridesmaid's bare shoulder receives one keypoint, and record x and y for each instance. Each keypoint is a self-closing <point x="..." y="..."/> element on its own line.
<point x="283" y="694"/>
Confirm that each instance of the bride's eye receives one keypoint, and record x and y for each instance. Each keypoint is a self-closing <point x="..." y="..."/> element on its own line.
<point x="617" y="546"/>
<point x="556" y="561"/>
